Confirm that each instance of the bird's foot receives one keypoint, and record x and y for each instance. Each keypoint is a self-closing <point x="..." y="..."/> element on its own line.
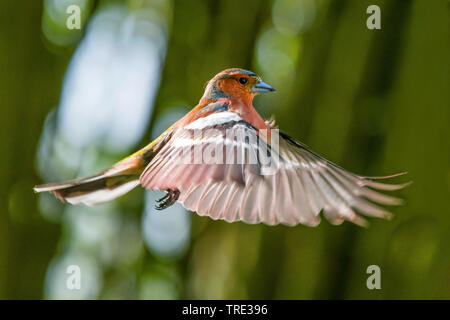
<point x="169" y="199"/>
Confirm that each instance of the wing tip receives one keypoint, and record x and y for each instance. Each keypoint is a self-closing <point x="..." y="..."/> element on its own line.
<point x="386" y="177"/>
<point x="385" y="186"/>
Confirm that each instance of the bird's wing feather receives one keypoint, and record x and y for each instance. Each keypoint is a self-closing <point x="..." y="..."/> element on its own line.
<point x="303" y="185"/>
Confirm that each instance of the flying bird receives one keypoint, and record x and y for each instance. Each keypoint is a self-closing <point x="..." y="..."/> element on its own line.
<point x="224" y="161"/>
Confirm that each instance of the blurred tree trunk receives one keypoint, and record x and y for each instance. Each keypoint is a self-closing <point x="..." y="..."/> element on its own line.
<point x="419" y="255"/>
<point x="29" y="88"/>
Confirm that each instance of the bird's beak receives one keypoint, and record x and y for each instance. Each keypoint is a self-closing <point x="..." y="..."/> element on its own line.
<point x="261" y="86"/>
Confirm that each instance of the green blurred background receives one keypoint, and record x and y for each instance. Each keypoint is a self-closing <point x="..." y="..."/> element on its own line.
<point x="75" y="101"/>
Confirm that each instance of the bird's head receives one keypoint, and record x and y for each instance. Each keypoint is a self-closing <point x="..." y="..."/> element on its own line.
<point x="235" y="83"/>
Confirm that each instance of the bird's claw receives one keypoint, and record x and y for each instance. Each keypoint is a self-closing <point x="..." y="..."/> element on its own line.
<point x="164" y="198"/>
<point x="169" y="199"/>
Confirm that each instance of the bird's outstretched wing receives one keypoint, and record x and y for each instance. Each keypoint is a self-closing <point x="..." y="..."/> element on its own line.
<point x="225" y="171"/>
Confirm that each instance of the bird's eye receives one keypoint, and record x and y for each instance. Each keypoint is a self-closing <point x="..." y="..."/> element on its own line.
<point x="242" y="80"/>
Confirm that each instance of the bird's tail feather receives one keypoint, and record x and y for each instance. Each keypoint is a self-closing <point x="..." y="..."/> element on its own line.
<point x="101" y="187"/>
